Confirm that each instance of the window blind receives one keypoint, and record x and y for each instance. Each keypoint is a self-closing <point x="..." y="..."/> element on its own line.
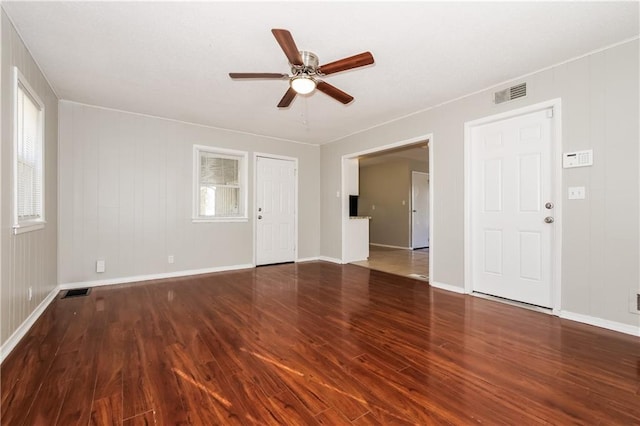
<point x="219" y="185"/>
<point x="29" y="158"/>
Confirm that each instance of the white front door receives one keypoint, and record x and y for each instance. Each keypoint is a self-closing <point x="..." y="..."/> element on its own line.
<point x="419" y="210"/>
<point x="512" y="208"/>
<point x="275" y="210"/>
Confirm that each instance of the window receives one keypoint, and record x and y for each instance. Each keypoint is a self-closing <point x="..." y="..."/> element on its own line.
<point x="220" y="191"/>
<point x="28" y="158"/>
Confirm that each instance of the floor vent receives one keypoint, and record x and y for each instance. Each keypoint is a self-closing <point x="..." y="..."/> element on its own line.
<point x="513" y="92"/>
<point x="76" y="292"/>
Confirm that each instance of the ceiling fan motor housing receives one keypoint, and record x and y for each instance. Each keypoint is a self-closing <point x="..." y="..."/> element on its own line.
<point x="309" y="64"/>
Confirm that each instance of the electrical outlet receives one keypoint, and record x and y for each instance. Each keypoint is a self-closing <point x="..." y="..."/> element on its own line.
<point x="100" y="266"/>
<point x="634" y="302"/>
<point x="31" y="293"/>
<point x="170" y="258"/>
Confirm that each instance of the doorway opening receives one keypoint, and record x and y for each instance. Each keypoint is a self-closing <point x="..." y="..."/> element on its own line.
<point x="382" y="180"/>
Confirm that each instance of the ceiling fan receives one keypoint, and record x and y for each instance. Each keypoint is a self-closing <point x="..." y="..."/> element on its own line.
<point x="305" y="71"/>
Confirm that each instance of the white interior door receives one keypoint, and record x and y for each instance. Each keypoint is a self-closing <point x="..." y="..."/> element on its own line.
<point x="511" y="208"/>
<point x="275" y="210"/>
<point x="419" y="210"/>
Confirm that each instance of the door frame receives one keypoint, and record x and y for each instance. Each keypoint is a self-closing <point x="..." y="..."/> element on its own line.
<point x="255" y="201"/>
<point x="413" y="172"/>
<point x="556" y="187"/>
<point x="345" y="199"/>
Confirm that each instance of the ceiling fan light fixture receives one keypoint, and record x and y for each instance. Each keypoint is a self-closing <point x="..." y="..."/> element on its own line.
<point x="303" y="84"/>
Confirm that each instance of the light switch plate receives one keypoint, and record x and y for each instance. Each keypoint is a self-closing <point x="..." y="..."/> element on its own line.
<point x="577" y="193"/>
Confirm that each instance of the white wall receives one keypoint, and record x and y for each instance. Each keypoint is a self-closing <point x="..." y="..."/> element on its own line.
<point x="387" y="186"/>
<point x="126" y="196"/>
<point x="600" y="111"/>
<point x="29" y="259"/>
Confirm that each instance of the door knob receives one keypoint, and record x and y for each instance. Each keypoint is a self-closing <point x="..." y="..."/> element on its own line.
<point x="548" y="219"/>
<point x="259" y="216"/>
<point x="548" y="205"/>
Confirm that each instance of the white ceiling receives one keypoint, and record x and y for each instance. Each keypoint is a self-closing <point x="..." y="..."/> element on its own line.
<point x="171" y="59"/>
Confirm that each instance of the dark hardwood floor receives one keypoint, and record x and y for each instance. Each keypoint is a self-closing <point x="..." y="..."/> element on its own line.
<point x="313" y="343"/>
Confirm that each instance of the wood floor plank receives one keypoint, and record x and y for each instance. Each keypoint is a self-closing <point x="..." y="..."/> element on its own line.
<point x="312" y="343"/>
<point x="144" y="419"/>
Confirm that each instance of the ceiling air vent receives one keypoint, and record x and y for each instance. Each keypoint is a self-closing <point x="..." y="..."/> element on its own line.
<point x="513" y="92"/>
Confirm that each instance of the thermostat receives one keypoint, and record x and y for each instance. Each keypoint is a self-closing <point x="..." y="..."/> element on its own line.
<point x="577" y="159"/>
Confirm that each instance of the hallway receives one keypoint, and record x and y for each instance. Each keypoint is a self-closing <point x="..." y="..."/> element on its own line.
<point x="411" y="263"/>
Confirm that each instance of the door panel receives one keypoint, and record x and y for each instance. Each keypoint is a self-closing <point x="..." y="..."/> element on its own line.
<point x="419" y="210"/>
<point x="276" y="211"/>
<point x="511" y="180"/>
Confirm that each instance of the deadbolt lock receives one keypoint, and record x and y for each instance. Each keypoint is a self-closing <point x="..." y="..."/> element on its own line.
<point x="548" y="205"/>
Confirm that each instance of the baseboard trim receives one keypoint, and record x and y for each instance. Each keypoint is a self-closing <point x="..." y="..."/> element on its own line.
<point x="137" y="278"/>
<point x="448" y="287"/>
<point x="330" y="259"/>
<point x="307" y="259"/>
<point x="602" y="323"/>
<point x="388" y="246"/>
<point x="26" y="325"/>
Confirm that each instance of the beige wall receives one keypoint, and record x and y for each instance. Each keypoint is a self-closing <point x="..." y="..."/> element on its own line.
<point x="600" y="111"/>
<point x="387" y="186"/>
<point x="29" y="259"/>
<point x="126" y="196"/>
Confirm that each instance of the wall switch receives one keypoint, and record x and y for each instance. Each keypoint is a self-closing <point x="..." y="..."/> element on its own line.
<point x="577" y="192"/>
<point x="170" y="258"/>
<point x="100" y="266"/>
<point x="30" y="293"/>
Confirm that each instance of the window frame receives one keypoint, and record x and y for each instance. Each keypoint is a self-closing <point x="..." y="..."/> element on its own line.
<point x="22" y="226"/>
<point x="242" y="157"/>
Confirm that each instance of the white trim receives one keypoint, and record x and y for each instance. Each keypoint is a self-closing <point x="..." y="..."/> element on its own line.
<point x="255" y="201"/>
<point x="389" y="246"/>
<point x="307" y="259"/>
<point x="139" y="278"/>
<point x="28" y="227"/>
<point x="602" y="323"/>
<point x="330" y="259"/>
<point x="10" y="344"/>
<point x="243" y="179"/>
<point x="556" y="190"/>
<point x="344" y="212"/>
<point x="447" y="287"/>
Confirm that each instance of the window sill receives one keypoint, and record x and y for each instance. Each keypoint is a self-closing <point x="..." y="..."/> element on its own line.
<point x="27" y="227"/>
<point x="219" y="219"/>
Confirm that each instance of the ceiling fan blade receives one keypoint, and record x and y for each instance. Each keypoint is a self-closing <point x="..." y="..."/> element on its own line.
<point x="285" y="40"/>
<point x="287" y="98"/>
<point x="334" y="92"/>
<point x="355" y="61"/>
<point x="257" y="75"/>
